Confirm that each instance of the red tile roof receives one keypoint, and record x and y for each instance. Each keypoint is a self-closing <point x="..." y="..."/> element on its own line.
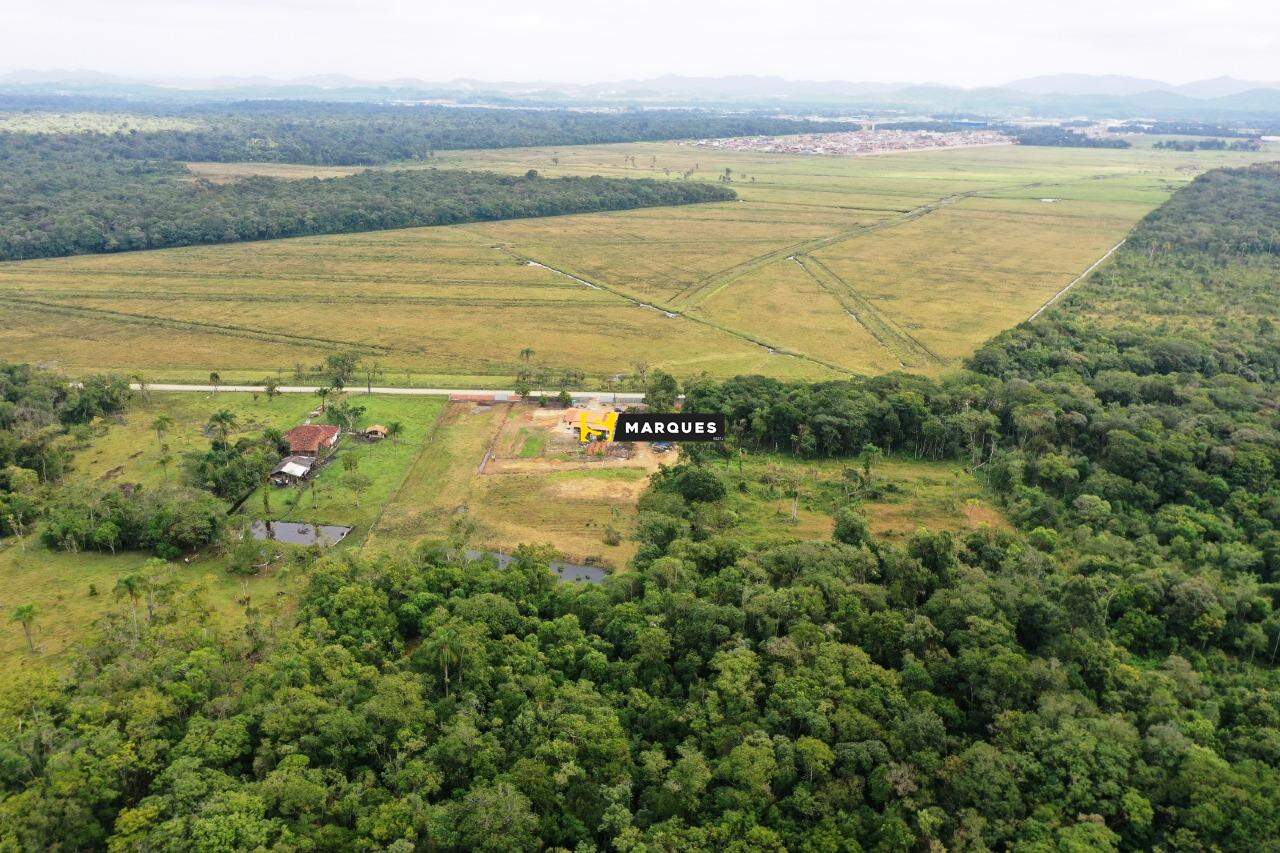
<point x="309" y="438"/>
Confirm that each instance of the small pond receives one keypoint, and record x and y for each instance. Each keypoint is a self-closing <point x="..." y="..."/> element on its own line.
<point x="565" y="571"/>
<point x="299" y="534"/>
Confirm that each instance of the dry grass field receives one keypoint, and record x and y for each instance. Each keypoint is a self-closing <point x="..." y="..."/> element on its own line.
<point x="504" y="475"/>
<point x="824" y="266"/>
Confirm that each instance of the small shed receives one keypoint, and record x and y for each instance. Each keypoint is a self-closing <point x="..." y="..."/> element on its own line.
<point x="292" y="469"/>
<point x="375" y="432"/>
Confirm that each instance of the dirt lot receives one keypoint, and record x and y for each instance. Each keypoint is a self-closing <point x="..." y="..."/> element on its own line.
<point x="512" y="474"/>
<point x="535" y="439"/>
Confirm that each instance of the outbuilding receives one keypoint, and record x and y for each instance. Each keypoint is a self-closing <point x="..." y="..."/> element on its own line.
<point x="292" y="469"/>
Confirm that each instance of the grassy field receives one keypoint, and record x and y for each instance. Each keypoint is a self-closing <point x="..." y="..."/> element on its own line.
<point x="780" y="498"/>
<point x="536" y="500"/>
<point x="824" y="266"/>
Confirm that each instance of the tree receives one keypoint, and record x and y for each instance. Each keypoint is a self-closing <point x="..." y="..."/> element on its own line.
<point x="323" y="393"/>
<point x="26" y="615"/>
<point x="661" y="391"/>
<point x="223" y="422"/>
<point x="496" y="817"/>
<point x="357" y="484"/>
<point x="526" y="354"/>
<point x="215" y="379"/>
<point x="394" y="430"/>
<point x="371" y="370"/>
<point x="132" y="586"/>
<point x="271" y="387"/>
<point x="161" y="425"/>
<point x="445" y="648"/>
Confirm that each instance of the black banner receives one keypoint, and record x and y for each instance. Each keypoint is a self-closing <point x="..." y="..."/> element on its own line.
<point x="679" y="426"/>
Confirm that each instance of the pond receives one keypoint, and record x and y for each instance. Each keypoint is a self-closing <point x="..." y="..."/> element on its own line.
<point x="571" y="572"/>
<point x="299" y="534"/>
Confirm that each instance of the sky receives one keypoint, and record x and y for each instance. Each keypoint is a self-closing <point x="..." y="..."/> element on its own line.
<point x="954" y="42"/>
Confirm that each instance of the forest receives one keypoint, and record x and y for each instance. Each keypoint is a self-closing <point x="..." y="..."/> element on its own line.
<point x="335" y="134"/>
<point x="66" y="202"/>
<point x="1100" y="677"/>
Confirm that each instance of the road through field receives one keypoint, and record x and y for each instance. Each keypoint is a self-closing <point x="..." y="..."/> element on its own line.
<point x="622" y="397"/>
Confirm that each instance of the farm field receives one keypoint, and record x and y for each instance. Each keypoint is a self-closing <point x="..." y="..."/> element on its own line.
<point x="824" y="266"/>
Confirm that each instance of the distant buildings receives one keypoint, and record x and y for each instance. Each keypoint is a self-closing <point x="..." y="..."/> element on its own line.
<point x="851" y="143"/>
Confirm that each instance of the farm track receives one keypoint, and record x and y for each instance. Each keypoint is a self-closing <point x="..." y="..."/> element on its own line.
<point x="909" y="350"/>
<point x="708" y="287"/>
<point x="197" y="326"/>
<point x="294" y="298"/>
<point x="674" y="312"/>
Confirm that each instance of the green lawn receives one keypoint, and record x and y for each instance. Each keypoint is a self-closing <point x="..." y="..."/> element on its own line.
<point x="328" y="498"/>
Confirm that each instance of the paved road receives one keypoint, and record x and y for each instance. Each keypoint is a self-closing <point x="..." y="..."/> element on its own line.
<point x="626" y="398"/>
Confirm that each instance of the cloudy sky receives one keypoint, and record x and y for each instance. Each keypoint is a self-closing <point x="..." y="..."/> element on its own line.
<point x="961" y="42"/>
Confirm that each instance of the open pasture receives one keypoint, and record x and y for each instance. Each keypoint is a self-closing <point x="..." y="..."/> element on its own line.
<point x="824" y="266"/>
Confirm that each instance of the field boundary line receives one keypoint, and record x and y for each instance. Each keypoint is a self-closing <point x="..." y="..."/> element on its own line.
<point x="907" y="340"/>
<point x="673" y="312"/>
<point x="699" y="293"/>
<point x="192" y="325"/>
<point x="1061" y="293"/>
<point x="417" y="457"/>
<point x="904" y="346"/>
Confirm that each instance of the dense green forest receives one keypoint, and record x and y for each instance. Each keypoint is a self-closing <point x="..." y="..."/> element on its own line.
<point x="1103" y="678"/>
<point x="369" y="134"/>
<point x="68" y="193"/>
<point x="71" y="204"/>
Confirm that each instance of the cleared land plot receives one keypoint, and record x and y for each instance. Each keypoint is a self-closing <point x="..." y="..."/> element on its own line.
<point x="912" y="259"/>
<point x="505" y="475"/>
<point x="907" y="494"/>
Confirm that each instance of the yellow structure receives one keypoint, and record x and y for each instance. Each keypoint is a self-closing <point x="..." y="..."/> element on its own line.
<point x="596" y="426"/>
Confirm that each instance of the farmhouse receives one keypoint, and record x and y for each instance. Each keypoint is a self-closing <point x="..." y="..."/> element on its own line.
<point x="311" y="439"/>
<point x="292" y="469"/>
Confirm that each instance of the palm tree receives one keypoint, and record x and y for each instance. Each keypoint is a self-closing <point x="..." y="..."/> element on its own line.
<point x="141" y="381"/>
<point x="26" y="614"/>
<point x="162" y="424"/>
<point x="223" y="421"/>
<point x="215" y="380"/>
<point x="526" y="354"/>
<point x="446" y="647"/>
<point x="131" y="587"/>
<point x="323" y="393"/>
<point x="394" y="429"/>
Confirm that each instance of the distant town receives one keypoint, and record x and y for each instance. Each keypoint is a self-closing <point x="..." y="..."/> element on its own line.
<point x="850" y="143"/>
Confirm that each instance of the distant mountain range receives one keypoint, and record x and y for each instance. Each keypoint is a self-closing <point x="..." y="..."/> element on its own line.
<point x="1056" y="95"/>
<point x="1115" y="84"/>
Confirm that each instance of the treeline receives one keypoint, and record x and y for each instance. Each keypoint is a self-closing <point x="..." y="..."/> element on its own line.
<point x="1186" y="128"/>
<point x="1209" y="145"/>
<point x="64" y="205"/>
<point x="43" y="419"/>
<point x="367" y="134"/>
<point x="1222" y="212"/>
<point x="1061" y="137"/>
